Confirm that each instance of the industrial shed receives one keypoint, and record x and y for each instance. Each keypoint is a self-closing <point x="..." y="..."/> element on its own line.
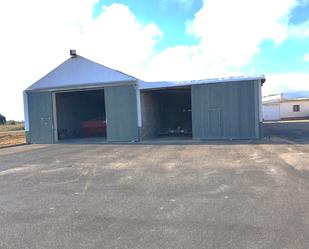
<point x="76" y="99"/>
<point x="225" y="108"/>
<point x="81" y="99"/>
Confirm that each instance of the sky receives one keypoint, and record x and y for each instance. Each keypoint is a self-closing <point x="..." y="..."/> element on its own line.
<point x="155" y="40"/>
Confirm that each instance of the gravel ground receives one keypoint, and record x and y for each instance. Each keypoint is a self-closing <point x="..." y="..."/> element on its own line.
<point x="236" y="195"/>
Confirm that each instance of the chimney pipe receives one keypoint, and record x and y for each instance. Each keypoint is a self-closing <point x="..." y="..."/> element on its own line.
<point x="73" y="53"/>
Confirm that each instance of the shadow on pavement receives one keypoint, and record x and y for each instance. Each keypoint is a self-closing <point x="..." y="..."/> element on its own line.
<point x="292" y="132"/>
<point x="295" y="132"/>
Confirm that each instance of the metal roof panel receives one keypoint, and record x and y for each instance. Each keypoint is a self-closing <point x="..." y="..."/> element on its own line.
<point x="79" y="71"/>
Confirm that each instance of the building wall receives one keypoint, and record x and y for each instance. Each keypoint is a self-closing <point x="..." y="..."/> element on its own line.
<point x="121" y="113"/>
<point x="286" y="109"/>
<point x="219" y="111"/>
<point x="40" y="113"/>
<point x="271" y="111"/>
<point x="226" y="110"/>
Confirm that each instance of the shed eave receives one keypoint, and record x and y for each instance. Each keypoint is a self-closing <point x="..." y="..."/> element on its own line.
<point x="175" y="84"/>
<point x="84" y="86"/>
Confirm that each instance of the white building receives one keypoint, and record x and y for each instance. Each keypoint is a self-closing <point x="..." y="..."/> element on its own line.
<point x="277" y="107"/>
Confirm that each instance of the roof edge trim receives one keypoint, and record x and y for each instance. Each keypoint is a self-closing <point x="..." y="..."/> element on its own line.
<point x="167" y="84"/>
<point x="84" y="86"/>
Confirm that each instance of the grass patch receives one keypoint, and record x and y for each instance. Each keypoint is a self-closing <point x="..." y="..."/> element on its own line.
<point x="12" y="127"/>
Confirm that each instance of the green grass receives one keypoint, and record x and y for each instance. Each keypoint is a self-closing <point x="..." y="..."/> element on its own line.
<point x="10" y="127"/>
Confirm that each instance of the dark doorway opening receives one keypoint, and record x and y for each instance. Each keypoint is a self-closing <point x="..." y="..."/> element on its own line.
<point x="81" y="114"/>
<point x="166" y="113"/>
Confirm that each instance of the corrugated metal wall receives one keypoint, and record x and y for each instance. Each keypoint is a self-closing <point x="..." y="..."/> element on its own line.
<point x="225" y="110"/>
<point x="121" y="113"/>
<point x="219" y="111"/>
<point x="40" y="117"/>
<point x="150" y="109"/>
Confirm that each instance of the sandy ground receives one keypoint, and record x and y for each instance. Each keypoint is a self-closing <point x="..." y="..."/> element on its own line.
<point x="9" y="138"/>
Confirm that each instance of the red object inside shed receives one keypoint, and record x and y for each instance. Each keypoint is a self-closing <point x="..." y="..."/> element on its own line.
<point x="93" y="128"/>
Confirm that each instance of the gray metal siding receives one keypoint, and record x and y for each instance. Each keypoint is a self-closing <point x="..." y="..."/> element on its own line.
<point x="215" y="123"/>
<point x="225" y="111"/>
<point x="150" y="109"/>
<point x="121" y="113"/>
<point x="40" y="117"/>
<point x="256" y="108"/>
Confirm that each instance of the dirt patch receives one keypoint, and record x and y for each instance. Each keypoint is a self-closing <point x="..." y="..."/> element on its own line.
<point x="297" y="160"/>
<point x="12" y="138"/>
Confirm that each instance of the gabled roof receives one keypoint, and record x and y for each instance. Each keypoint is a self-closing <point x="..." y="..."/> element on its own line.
<point x="167" y="84"/>
<point x="79" y="72"/>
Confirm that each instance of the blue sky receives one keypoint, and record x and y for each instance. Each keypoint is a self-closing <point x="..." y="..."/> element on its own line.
<point x="155" y="40"/>
<point x="172" y="16"/>
<point x="289" y="55"/>
<point x="300" y="14"/>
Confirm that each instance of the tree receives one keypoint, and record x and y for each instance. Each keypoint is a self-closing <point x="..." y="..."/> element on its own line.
<point x="2" y="119"/>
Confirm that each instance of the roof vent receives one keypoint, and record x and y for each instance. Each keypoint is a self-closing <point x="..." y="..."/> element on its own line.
<point x="73" y="53"/>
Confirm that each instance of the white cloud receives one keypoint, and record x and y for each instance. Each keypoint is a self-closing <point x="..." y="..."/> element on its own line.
<point x="306" y="57"/>
<point x="299" y="31"/>
<point x="186" y="63"/>
<point x="117" y="39"/>
<point x="230" y="34"/>
<point x="36" y="36"/>
<point x="278" y="83"/>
